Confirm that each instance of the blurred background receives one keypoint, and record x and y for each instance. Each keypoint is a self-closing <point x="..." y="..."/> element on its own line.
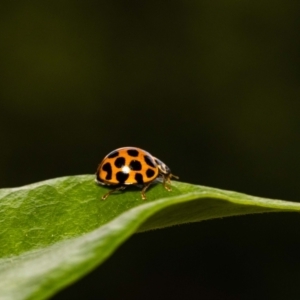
<point x="209" y="87"/>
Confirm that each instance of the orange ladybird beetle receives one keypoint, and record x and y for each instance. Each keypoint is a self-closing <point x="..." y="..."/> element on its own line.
<point x="132" y="166"/>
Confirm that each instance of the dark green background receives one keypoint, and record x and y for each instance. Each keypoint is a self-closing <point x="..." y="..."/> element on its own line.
<point x="209" y="87"/>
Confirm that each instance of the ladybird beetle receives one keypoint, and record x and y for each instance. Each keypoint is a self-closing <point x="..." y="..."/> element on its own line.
<point x="132" y="166"/>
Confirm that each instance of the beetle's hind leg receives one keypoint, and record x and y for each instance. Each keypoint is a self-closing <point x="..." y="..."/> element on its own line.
<point x="119" y="188"/>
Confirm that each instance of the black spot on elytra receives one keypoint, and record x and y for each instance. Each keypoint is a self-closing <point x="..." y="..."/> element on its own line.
<point x="113" y="154"/>
<point x="120" y="162"/>
<point x="107" y="168"/>
<point x="98" y="177"/>
<point x="149" y="161"/>
<point x="135" y="165"/>
<point x="122" y="177"/>
<point x="150" y="173"/>
<point x="139" y="178"/>
<point x="133" y="152"/>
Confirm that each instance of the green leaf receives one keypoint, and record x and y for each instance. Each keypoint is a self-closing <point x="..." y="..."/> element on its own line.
<point x="54" y="232"/>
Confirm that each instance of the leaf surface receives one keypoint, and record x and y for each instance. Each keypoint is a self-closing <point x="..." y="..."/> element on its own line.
<point x="53" y="232"/>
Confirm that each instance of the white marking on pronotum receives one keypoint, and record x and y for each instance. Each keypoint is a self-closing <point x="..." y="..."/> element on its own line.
<point x="126" y="169"/>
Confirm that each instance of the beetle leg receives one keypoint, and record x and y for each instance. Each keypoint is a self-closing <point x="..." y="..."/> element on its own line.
<point x="166" y="179"/>
<point x="144" y="190"/>
<point x="120" y="188"/>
